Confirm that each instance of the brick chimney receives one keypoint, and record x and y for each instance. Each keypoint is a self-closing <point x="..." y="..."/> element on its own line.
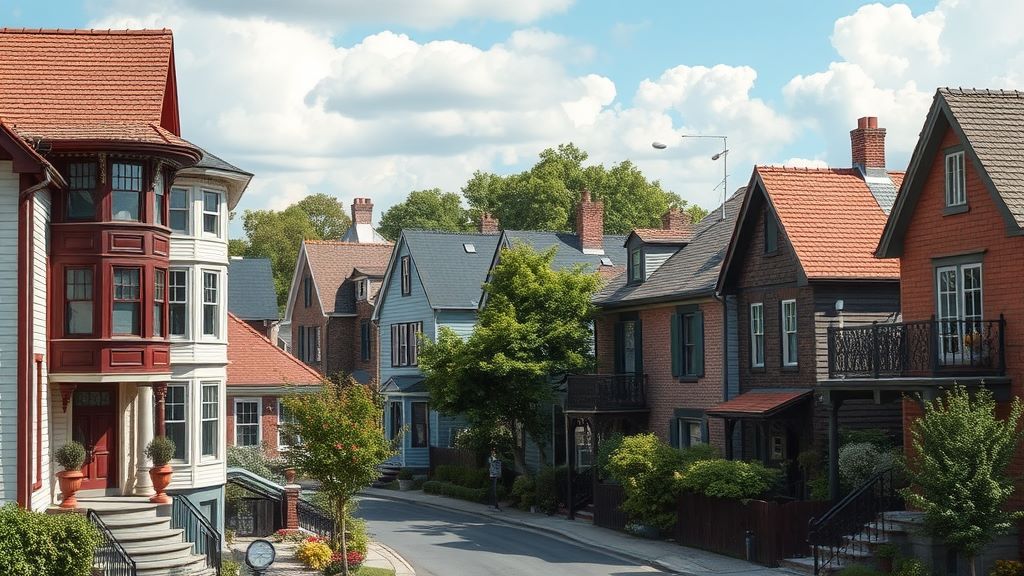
<point x="868" y="143"/>
<point x="488" y="224"/>
<point x="362" y="211"/>
<point x="677" y="220"/>
<point x="590" y="224"/>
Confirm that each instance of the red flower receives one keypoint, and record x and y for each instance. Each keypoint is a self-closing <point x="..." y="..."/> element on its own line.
<point x="339" y="446"/>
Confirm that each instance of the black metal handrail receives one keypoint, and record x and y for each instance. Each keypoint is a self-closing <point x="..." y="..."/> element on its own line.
<point x="110" y="558"/>
<point x="595" y="392"/>
<point x="197" y="529"/>
<point x="314" y="519"/>
<point x="582" y="488"/>
<point x="857" y="518"/>
<point x="933" y="347"/>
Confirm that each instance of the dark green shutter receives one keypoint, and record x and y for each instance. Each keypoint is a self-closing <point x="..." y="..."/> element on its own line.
<point x="620" y="343"/>
<point x="698" y="353"/>
<point x="676" y="345"/>
<point x="638" y="345"/>
<point x="673" y="433"/>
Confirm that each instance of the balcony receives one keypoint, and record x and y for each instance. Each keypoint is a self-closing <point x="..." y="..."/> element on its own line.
<point x="607" y="392"/>
<point x="922" y="349"/>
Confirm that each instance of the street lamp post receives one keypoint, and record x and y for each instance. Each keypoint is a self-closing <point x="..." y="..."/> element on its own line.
<point x="724" y="155"/>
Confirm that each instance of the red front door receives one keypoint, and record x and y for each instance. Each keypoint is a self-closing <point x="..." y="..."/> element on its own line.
<point x="93" y="424"/>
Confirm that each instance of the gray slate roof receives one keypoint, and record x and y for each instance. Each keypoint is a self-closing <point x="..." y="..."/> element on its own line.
<point x="216" y="163"/>
<point x="569" y="253"/>
<point x="251" y="289"/>
<point x="407" y="384"/>
<point x="993" y="122"/>
<point x="452" y="278"/>
<point x="690" y="272"/>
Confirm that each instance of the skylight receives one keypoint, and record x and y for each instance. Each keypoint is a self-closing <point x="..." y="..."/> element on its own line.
<point x="606" y="261"/>
<point x="470" y="249"/>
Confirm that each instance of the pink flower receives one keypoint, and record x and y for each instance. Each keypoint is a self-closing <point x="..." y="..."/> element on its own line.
<point x="339" y="446"/>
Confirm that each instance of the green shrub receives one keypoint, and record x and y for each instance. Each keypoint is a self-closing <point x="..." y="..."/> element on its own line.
<point x="230" y="568"/>
<point x="255" y="460"/>
<point x="455" y="491"/>
<point x="32" y="544"/>
<point x="160" y="450"/>
<point x="70" y="456"/>
<point x="859" y="570"/>
<point x="405" y="474"/>
<point x="911" y="567"/>
<point x="859" y="461"/>
<point x="729" y="479"/>
<point x="355" y="534"/>
<point x="698" y="453"/>
<point x="462" y="476"/>
<point x="604" y="453"/>
<point x="524" y="491"/>
<point x="645" y="466"/>
<point x="879" y="438"/>
<point x="550" y="488"/>
<point x="1007" y="568"/>
<point x="887" y="550"/>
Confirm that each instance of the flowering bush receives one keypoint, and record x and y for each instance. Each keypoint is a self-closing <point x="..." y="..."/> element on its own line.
<point x="286" y="535"/>
<point x="859" y="461"/>
<point x="314" y="553"/>
<point x="355" y="560"/>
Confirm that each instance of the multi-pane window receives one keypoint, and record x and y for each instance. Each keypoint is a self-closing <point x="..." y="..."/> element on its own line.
<point x="127" y="301"/>
<point x="364" y="340"/>
<point x="420" y="430"/>
<point x="309" y="344"/>
<point x="689" y="432"/>
<point x="959" y="297"/>
<point x="789" y="332"/>
<point x="178" y="316"/>
<point x="159" y="302"/>
<point x="211" y="403"/>
<point x="692" y="336"/>
<point x="636" y="267"/>
<point x="629" y="347"/>
<point x="405" y="343"/>
<point x="175" y="418"/>
<point x="284" y="437"/>
<point x="406" y="276"/>
<point x="159" y="199"/>
<point x="211" y="213"/>
<point x="211" y="318"/>
<point x="247" y="422"/>
<point x="81" y="191"/>
<point x="78" y="312"/>
<point x="126" y="191"/>
<point x="179" y="210"/>
<point x="757" y="335"/>
<point x="956" y="181"/>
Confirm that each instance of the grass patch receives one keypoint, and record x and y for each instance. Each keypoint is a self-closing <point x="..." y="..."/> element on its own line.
<point x="371" y="571"/>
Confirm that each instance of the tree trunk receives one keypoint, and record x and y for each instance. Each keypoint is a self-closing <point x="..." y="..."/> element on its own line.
<point x="971" y="564"/>
<point x="342" y="505"/>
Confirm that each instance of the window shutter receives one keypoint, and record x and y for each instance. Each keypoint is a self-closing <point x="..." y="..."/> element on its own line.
<point x="698" y="354"/>
<point x="620" y="342"/>
<point x="302" y="343"/>
<point x="638" y="345"/>
<point x="673" y="433"/>
<point x="394" y="345"/>
<point x="676" y="344"/>
<point x="705" y="434"/>
<point x="316" y="342"/>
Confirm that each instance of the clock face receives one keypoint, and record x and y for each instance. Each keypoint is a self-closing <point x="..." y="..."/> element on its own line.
<point x="260" y="554"/>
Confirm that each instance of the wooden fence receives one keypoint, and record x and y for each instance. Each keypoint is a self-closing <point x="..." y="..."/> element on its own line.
<point x="720" y="525"/>
<point x="452" y="456"/>
<point x="607" y="500"/>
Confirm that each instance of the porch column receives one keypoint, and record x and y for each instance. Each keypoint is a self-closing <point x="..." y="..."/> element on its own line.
<point x="833" y="449"/>
<point x="730" y="427"/>
<point x="160" y="393"/>
<point x="143" y="436"/>
<point x="570" y="459"/>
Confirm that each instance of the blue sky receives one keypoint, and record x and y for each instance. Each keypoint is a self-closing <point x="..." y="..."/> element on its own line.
<point x="377" y="99"/>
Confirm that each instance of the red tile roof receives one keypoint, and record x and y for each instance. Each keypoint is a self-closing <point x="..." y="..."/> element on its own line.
<point x="332" y="261"/>
<point x="832" y="220"/>
<point x="759" y="403"/>
<point x="255" y="361"/>
<point x="662" y="236"/>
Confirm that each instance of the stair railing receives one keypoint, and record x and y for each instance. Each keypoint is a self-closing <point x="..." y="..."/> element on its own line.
<point x="197" y="529"/>
<point x="858" y="518"/>
<point x="315" y="519"/>
<point x="110" y="558"/>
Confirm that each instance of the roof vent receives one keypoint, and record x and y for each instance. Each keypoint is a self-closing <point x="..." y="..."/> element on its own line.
<point x="470" y="249"/>
<point x="606" y="261"/>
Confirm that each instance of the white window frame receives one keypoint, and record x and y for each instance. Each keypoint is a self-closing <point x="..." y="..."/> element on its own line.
<point x="259" y="419"/>
<point x="403" y="344"/>
<point x="187" y="209"/>
<point x="159" y="212"/>
<point x="218" y="226"/>
<point x="215" y="418"/>
<point x="757" y="334"/>
<point x="361" y="290"/>
<point x="786" y="329"/>
<point x="184" y="421"/>
<point x="960" y="296"/>
<point x="171" y="302"/>
<point x="217" y="291"/>
<point x="956" y="180"/>
<point x="406" y="265"/>
<point x="281" y="445"/>
<point x="683" y="432"/>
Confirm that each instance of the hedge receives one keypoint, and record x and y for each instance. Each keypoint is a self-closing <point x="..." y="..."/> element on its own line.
<point x="52" y="544"/>
<point x="462" y="476"/>
<point x="482" y="495"/>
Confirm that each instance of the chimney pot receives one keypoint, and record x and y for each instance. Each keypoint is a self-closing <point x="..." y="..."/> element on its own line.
<point x="362" y="211"/>
<point x="676" y="220"/>
<point x="867" y="143"/>
<point x="488" y="224"/>
<point x="590" y="224"/>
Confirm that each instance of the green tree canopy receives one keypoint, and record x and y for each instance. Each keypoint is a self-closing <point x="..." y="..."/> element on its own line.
<point x="431" y="209"/>
<point x="535" y="325"/>
<point x="326" y="214"/>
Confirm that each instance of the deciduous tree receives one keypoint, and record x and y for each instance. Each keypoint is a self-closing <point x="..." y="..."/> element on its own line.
<point x="431" y="209"/>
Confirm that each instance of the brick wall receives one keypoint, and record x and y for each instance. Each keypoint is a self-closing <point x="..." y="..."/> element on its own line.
<point x="867" y="143"/>
<point x="303" y="316"/>
<point x="261" y="326"/>
<point x="268" y="422"/>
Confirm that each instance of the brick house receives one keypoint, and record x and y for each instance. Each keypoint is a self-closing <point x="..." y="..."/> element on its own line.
<point x="259" y="375"/>
<point x="330" y="303"/>
<point x="801" y="260"/>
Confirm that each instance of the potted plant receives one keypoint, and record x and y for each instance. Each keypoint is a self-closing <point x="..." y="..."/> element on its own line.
<point x="71" y="457"/>
<point x="160" y="450"/>
<point x="289" y="475"/>
<point x="405" y="479"/>
<point x="886" y="555"/>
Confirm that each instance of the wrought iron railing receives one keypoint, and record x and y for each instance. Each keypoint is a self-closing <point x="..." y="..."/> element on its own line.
<point x="915" y="349"/>
<point x="859" y="519"/>
<point x="582" y="488"/>
<point x="110" y="558"/>
<point x="314" y="519"/>
<point x="197" y="529"/>
<point x="597" y="392"/>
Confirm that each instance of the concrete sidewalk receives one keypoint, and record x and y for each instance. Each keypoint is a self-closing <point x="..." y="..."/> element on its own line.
<point x="665" y="556"/>
<point x="377" y="555"/>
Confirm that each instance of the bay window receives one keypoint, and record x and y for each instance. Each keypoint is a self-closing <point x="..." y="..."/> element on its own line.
<point x="159" y="302"/>
<point x="159" y="199"/>
<point x="175" y="418"/>
<point x="211" y="213"/>
<point x="211" y="307"/>
<point x="126" y="191"/>
<point x="78" y="310"/>
<point x="179" y="210"/>
<point x="178" y="315"/>
<point x="210" y="426"/>
<point x="127" y="302"/>
<point x="81" y="191"/>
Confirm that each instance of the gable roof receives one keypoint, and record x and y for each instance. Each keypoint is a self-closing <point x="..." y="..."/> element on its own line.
<point x="331" y="262"/>
<point x="251" y="289"/>
<point x="830" y="217"/>
<point x="690" y="272"/>
<point x="568" y="252"/>
<point x="990" y="125"/>
<point x="255" y="361"/>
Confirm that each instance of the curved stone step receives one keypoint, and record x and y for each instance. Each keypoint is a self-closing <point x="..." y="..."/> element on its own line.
<point x="152" y="536"/>
<point x="176" y="567"/>
<point x="108" y="509"/>
<point x="147" y="551"/>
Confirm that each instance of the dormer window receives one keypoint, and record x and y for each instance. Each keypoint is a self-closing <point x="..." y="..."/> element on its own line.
<point x="361" y="288"/>
<point x="956" y="181"/>
<point x="636" y="265"/>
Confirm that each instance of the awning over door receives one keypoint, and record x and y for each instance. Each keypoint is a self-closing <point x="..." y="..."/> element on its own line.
<point x="760" y="403"/>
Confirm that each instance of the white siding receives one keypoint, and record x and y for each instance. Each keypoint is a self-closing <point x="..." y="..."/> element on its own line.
<point x="655" y="256"/>
<point x="8" y="329"/>
<point x="41" y="247"/>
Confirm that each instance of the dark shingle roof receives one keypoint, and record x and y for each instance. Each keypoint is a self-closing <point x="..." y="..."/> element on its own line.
<point x="569" y="253"/>
<point x="452" y="277"/>
<point x="251" y="289"/>
<point x="332" y="262"/>
<point x="216" y="163"/>
<point x="692" y="271"/>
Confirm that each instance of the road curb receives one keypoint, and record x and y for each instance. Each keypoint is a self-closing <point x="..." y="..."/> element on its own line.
<point x="403" y="568"/>
<point x="519" y="523"/>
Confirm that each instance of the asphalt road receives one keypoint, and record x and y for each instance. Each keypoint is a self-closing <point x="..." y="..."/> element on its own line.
<point x="446" y="543"/>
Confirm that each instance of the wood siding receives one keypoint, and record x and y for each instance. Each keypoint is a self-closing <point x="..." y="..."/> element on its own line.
<point x="42" y="497"/>
<point x="9" y="189"/>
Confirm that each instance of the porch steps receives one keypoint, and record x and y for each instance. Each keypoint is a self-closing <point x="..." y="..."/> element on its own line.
<point x="144" y="531"/>
<point x="388" y="474"/>
<point x="586" y="514"/>
<point x="860" y="547"/>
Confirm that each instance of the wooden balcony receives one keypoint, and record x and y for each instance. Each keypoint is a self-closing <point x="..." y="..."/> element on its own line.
<point x="606" y="392"/>
<point x="922" y="349"/>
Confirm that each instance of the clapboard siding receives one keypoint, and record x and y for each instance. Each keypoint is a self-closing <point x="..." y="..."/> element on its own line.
<point x="41" y="250"/>
<point x="8" y="329"/>
<point x="396" y="308"/>
<point x="862" y="304"/>
<point x="655" y="256"/>
<point x="461" y="322"/>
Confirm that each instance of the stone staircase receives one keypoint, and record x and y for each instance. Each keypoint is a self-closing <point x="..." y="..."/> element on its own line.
<point x="860" y="548"/>
<point x="388" y="474"/>
<point x="144" y="531"/>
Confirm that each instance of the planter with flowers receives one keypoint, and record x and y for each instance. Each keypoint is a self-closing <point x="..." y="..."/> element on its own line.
<point x="71" y="458"/>
<point x="160" y="450"/>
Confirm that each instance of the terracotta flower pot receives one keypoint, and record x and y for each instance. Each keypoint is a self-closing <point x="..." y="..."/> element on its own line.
<point x="161" y="477"/>
<point x="289" y="475"/>
<point x="70" y="483"/>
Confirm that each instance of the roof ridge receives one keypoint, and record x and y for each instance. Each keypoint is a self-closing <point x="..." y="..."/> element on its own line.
<point x="798" y="169"/>
<point x="285" y="353"/>
<point x="345" y="243"/>
<point x="961" y="91"/>
<point x="89" y="31"/>
<point x="439" y="232"/>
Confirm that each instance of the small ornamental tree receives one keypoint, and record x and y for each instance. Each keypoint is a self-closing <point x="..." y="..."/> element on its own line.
<point x="958" y="469"/>
<point x="342" y="444"/>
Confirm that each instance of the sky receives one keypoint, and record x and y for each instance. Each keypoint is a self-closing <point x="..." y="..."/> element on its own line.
<point x="361" y="98"/>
